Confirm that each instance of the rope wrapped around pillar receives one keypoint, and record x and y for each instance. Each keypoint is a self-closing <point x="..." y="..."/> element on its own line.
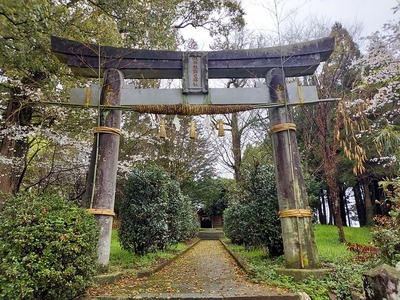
<point x="295" y="213"/>
<point x="105" y="129"/>
<point x="103" y="212"/>
<point x="282" y="127"/>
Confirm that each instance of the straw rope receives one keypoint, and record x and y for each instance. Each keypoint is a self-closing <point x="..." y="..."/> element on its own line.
<point x="282" y="127"/>
<point x="104" y="129"/>
<point x="103" y="212"/>
<point x="190" y="109"/>
<point x="298" y="213"/>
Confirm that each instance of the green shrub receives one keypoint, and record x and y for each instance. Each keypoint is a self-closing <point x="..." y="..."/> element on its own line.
<point x="386" y="236"/>
<point x="235" y="223"/>
<point x="154" y="213"/>
<point x="386" y="233"/>
<point x="190" y="220"/>
<point x="253" y="218"/>
<point x="47" y="248"/>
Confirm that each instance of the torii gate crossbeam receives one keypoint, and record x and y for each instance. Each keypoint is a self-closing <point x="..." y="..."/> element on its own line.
<point x="87" y="59"/>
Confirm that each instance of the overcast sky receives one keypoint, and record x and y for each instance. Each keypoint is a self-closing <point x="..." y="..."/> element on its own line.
<point x="371" y="15"/>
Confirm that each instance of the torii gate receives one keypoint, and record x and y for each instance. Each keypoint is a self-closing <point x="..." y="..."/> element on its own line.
<point x="195" y="97"/>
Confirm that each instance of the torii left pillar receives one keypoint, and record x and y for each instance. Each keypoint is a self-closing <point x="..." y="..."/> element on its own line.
<point x="101" y="181"/>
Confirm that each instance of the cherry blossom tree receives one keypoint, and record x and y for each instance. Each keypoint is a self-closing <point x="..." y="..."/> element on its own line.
<point x="40" y="145"/>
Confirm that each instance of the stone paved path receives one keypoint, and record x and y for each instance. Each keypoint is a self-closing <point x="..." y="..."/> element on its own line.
<point x="206" y="270"/>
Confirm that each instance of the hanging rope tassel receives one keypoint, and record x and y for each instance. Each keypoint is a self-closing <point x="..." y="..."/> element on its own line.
<point x="221" y="131"/>
<point x="300" y="93"/>
<point x="193" y="133"/>
<point x="163" y="132"/>
<point x="88" y="94"/>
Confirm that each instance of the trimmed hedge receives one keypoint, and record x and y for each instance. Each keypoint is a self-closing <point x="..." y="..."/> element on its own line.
<point x="47" y="248"/>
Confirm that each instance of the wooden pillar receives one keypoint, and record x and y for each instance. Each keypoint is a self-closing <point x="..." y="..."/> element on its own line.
<point x="101" y="182"/>
<point x="297" y="230"/>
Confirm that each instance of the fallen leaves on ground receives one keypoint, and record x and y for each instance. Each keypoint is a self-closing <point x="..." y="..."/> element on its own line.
<point x="205" y="269"/>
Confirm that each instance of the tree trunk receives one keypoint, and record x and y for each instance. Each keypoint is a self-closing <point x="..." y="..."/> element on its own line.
<point x="346" y="206"/>
<point x="343" y="206"/>
<point x="334" y="191"/>
<point x="360" y="205"/>
<point x="297" y="230"/>
<point x="324" y="202"/>
<point x="101" y="185"/>
<point x="377" y="197"/>
<point x="14" y="149"/>
<point x="328" y="199"/>
<point x="329" y="147"/>
<point x="321" y="210"/>
<point x="369" y="209"/>
<point x="236" y="148"/>
<point x="8" y="177"/>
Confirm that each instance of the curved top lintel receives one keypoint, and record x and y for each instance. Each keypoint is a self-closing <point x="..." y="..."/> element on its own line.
<point x="296" y="60"/>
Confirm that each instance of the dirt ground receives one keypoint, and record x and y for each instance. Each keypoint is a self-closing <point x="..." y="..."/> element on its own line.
<point x="206" y="269"/>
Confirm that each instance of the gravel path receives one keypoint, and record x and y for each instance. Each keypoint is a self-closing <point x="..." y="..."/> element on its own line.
<point x="206" y="270"/>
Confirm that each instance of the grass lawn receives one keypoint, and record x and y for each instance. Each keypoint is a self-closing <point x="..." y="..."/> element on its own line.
<point x="329" y="247"/>
<point x="345" y="279"/>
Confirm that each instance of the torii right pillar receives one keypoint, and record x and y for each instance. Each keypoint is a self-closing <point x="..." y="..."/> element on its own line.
<point x="294" y="211"/>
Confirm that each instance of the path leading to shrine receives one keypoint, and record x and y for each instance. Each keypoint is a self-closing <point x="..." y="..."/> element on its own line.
<point x="205" y="271"/>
